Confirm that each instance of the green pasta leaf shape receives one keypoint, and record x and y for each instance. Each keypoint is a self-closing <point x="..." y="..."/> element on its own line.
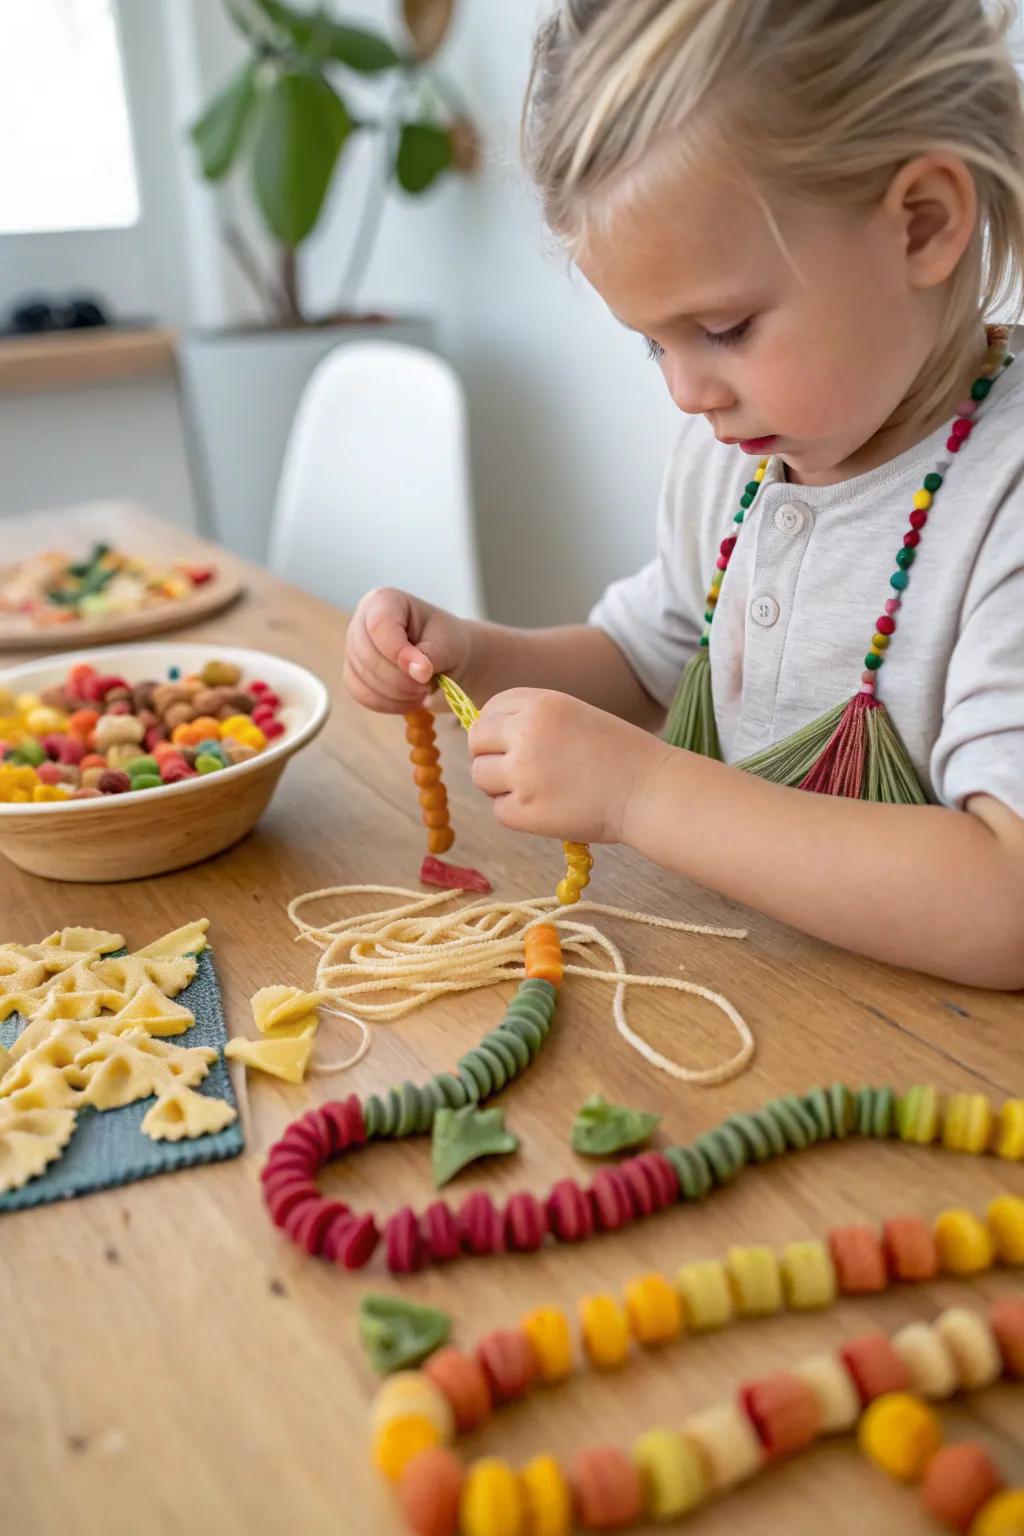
<point x="397" y="1334"/>
<point x="463" y="1135"/>
<point x="601" y="1128"/>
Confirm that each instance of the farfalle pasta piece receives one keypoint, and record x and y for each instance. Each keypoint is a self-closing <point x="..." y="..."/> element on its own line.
<point x="285" y="1011"/>
<point x="47" y="1088"/>
<point x="121" y="1069"/>
<point x="131" y="973"/>
<point x="40" y="1078"/>
<point x="30" y="1139"/>
<point x="5" y="1061"/>
<point x="94" y="941"/>
<point x="286" y="1057"/>
<point x="154" y="1012"/>
<point x="182" y="1113"/>
<point x="187" y="940"/>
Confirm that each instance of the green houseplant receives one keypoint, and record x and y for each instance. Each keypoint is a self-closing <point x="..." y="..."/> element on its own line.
<point x="309" y="85"/>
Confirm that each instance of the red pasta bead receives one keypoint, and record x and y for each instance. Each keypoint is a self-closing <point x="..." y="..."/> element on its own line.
<point x="308" y="1224"/>
<point x="351" y="1241"/>
<point x="480" y="1224"/>
<point x="859" y="1260"/>
<point x="429" y="1491"/>
<point x="727" y="545"/>
<point x="885" y="625"/>
<point x="440" y="1232"/>
<point x="722" y="562"/>
<point x="785" y="1412"/>
<point x="570" y="1215"/>
<point x="963" y="427"/>
<point x="910" y="1249"/>
<point x="355" y="1120"/>
<point x="912" y="539"/>
<point x="607" y="1488"/>
<point x="335" y="1122"/>
<point x="662" y="1175"/>
<point x="463" y="1381"/>
<point x="918" y="519"/>
<point x="295" y="1163"/>
<point x="638" y="1187"/>
<point x="609" y="1197"/>
<point x="283" y="1181"/>
<point x="301" y="1138"/>
<point x="319" y="1126"/>
<point x="953" y="444"/>
<point x="525" y="1223"/>
<point x="402" y="1242"/>
<point x="874" y="1366"/>
<point x="284" y="1199"/>
<point x="507" y="1360"/>
<point x="1007" y="1321"/>
<point x="958" y="1480"/>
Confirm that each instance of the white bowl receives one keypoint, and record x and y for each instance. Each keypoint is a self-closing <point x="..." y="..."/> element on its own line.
<point x="150" y="831"/>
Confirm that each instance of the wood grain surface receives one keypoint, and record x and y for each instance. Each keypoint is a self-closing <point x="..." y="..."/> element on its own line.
<point x="170" y="1366"/>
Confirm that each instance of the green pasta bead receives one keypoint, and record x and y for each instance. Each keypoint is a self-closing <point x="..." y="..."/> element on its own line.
<point x="844" y="1114"/>
<point x="883" y="1115"/>
<point x="431" y="1100"/>
<point x="752" y="1134"/>
<point x="791" y="1125"/>
<point x="474" y="1071"/>
<point x="806" y="1119"/>
<point x="536" y="986"/>
<point x="515" y="1044"/>
<point x="527" y="1030"/>
<point x="409" y="1109"/>
<point x="724" y="1152"/>
<point x="865" y="1110"/>
<point x="453" y="1090"/>
<point x="771" y="1129"/>
<point x="497" y="1044"/>
<point x="531" y="1008"/>
<point x="495" y="1066"/>
<point x="373" y="1115"/>
<point x="918" y="1116"/>
<point x="692" y="1170"/>
<point x="817" y="1104"/>
<point x="392" y="1103"/>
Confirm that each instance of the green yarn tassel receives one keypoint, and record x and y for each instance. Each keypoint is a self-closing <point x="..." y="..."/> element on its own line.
<point x="890" y="775"/>
<point x="691" y="720"/>
<point x="790" y="761"/>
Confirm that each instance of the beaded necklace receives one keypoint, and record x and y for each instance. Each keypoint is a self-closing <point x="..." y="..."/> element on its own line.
<point x="853" y="749"/>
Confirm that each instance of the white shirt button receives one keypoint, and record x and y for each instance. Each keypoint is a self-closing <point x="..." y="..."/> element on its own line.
<point x="764" y="611"/>
<point x="790" y="518"/>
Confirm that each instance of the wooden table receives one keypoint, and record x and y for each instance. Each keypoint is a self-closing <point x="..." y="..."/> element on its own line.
<point x="170" y="1366"/>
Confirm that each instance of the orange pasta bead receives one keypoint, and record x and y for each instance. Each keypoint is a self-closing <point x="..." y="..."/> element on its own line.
<point x="440" y="839"/>
<point x="426" y="775"/>
<point x="544" y="953"/>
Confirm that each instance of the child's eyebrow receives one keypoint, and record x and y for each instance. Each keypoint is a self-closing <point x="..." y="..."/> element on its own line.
<point x="740" y="303"/>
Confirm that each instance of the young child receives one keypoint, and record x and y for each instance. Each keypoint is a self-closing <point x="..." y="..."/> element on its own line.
<point x="806" y="211"/>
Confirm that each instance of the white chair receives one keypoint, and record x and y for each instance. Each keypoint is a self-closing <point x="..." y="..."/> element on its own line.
<point x="375" y="487"/>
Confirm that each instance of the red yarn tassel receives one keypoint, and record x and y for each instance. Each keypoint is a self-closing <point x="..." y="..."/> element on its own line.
<point x="840" y="768"/>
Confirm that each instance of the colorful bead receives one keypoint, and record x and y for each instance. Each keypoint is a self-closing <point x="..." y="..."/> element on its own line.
<point x="919" y="1115"/>
<point x="492" y="1500"/>
<point x="607" y="1488"/>
<point x="706" y="1295"/>
<point x="654" y="1309"/>
<point x="727" y="1443"/>
<point x="755" y="1280"/>
<point x="958" y="1482"/>
<point x="931" y="1369"/>
<point x="885" y="625"/>
<point x="858" y="1259"/>
<point x="429" y="1490"/>
<point x="399" y="1440"/>
<point x="808" y="1277"/>
<point x="543" y="953"/>
<point x="1003" y="1515"/>
<point x="461" y="1378"/>
<point x="967" y="1123"/>
<point x="923" y="499"/>
<point x="548" y="1332"/>
<point x="784" y="1411"/>
<point x="1005" y="1217"/>
<point x="507" y="1360"/>
<point x="910" y="1250"/>
<point x="834" y="1391"/>
<point x="964" y="1243"/>
<point x="547" y="1498"/>
<point x="1006" y="1319"/>
<point x="605" y="1328"/>
<point x="900" y="1434"/>
<point x="1010" y="1135"/>
<point x="972" y="1345"/>
<point x="874" y="1366"/>
<point x="672" y="1475"/>
<point x="899" y="580"/>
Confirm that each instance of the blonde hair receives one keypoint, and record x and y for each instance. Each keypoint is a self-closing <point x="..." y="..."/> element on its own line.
<point x="824" y="99"/>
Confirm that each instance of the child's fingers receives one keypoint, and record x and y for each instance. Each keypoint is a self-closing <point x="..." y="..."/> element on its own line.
<point x="490" y="773"/>
<point x="376" y="684"/>
<point x="413" y="661"/>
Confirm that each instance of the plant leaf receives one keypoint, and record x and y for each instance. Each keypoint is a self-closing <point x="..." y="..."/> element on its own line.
<point x="424" y="153"/>
<point x="358" y="47"/>
<point x="302" y="128"/>
<point x="601" y="1128"/>
<point x="463" y="1135"/>
<point x="397" y="1333"/>
<point x="218" y="133"/>
<point x="427" y="22"/>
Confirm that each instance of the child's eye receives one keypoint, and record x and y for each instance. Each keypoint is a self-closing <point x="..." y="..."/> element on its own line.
<point x="654" y="351"/>
<point x="730" y="338"/>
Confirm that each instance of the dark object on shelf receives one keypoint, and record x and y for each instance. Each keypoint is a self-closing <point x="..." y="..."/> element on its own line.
<point x="39" y="314"/>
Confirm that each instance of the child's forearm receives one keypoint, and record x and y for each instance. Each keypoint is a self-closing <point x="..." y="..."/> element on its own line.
<point x="575" y="659"/>
<point x="936" y="890"/>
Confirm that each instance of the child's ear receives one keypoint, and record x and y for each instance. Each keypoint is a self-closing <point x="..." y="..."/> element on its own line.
<point x="933" y="202"/>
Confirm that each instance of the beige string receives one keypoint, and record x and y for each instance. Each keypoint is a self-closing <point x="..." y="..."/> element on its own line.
<point x="417" y="951"/>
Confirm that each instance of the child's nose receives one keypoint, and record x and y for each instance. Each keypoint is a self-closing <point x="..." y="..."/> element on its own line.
<point x="695" y="391"/>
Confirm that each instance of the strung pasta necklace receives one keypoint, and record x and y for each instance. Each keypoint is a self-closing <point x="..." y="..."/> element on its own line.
<point x="854" y="749"/>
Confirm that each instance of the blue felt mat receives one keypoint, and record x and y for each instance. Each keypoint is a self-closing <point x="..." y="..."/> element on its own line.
<point x="108" y="1148"/>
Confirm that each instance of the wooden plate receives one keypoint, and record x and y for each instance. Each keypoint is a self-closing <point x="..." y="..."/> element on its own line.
<point x="22" y="634"/>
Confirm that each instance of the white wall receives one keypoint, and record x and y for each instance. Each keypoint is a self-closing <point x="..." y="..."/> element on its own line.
<point x="570" y="421"/>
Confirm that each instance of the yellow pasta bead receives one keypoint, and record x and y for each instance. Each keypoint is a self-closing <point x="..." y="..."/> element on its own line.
<point x="42" y="794"/>
<point x="758" y="474"/>
<point x="964" y="1243"/>
<point x="548" y="1332"/>
<point x="967" y="1124"/>
<point x="235" y="723"/>
<point x="879" y="642"/>
<point x="410" y="1392"/>
<point x="492" y="1500"/>
<point x="972" y="1346"/>
<point x="42" y="720"/>
<point x="717" y="577"/>
<point x="672" y="1474"/>
<point x="756" y="1281"/>
<point x="1005" y="1218"/>
<point x="918" y="1114"/>
<point x="399" y="1440"/>
<point x="605" y="1330"/>
<point x="808" y="1276"/>
<point x="547" y="1498"/>
<point x="1010" y="1137"/>
<point x="900" y="1434"/>
<point x="922" y="500"/>
<point x="1003" y="1515"/>
<point x="654" y="1309"/>
<point x="707" y="1299"/>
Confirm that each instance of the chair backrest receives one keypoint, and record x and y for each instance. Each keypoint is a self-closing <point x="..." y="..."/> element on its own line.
<point x="375" y="487"/>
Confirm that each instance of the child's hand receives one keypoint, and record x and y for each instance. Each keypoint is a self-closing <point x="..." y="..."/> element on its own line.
<point x="561" y="768"/>
<point x="395" y="645"/>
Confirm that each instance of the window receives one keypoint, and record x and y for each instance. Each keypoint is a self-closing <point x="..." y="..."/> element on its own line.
<point x="65" y="141"/>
